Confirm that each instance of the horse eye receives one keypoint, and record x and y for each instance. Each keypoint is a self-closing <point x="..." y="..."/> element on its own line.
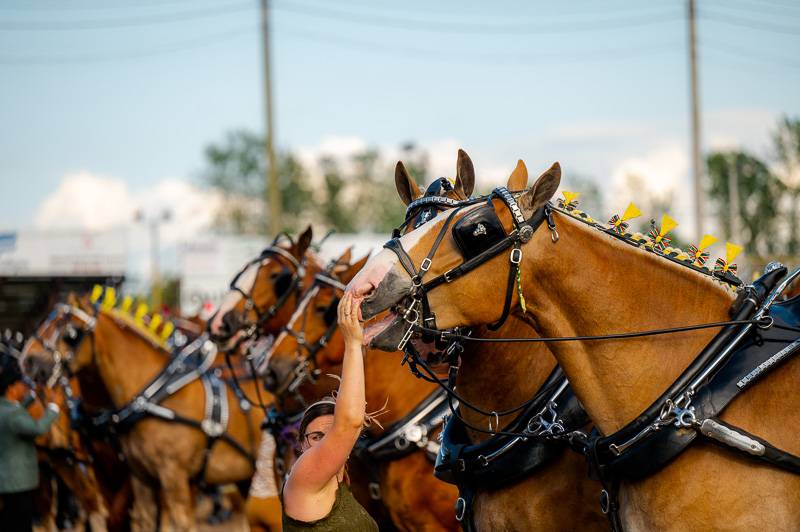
<point x="322" y="309"/>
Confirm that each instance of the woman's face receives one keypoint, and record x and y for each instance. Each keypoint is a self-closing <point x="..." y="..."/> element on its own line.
<point x="316" y="430"/>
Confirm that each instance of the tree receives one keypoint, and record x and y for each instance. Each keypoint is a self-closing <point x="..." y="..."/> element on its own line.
<point x="237" y="167"/>
<point x="759" y="198"/>
<point x="333" y="211"/>
<point x="787" y="153"/>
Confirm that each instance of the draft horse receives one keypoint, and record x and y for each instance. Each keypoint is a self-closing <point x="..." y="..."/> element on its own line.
<point x="174" y="419"/>
<point x="681" y="415"/>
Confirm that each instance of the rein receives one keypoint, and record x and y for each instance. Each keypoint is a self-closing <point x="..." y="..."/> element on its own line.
<point x="264" y="315"/>
<point x="306" y="366"/>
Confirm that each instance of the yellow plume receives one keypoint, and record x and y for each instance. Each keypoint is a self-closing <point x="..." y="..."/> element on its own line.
<point x="97" y="291"/>
<point x="141" y="310"/>
<point x="127" y="303"/>
<point x="667" y="225"/>
<point x="166" y="330"/>
<point x="731" y="252"/>
<point x="569" y="197"/>
<point x="631" y="212"/>
<point x="109" y="298"/>
<point x="706" y="241"/>
<point x="155" y="321"/>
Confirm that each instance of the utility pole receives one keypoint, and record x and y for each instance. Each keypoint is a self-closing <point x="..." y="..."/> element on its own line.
<point x="272" y="198"/>
<point x="697" y="163"/>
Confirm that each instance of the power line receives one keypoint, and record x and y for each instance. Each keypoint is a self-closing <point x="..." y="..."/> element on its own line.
<point x="748" y="23"/>
<point x="738" y="51"/>
<point x="482" y="58"/>
<point x="749" y="7"/>
<point x="455" y="14"/>
<point x="483" y="28"/>
<point x="103" y="7"/>
<point x="189" y="44"/>
<point x="142" y="20"/>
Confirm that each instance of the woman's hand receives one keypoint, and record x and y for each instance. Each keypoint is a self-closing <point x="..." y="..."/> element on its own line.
<point x="348" y="320"/>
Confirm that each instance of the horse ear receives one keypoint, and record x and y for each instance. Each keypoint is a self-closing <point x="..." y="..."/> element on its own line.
<point x="406" y="186"/>
<point x="343" y="262"/>
<point x="353" y="269"/>
<point x="303" y="242"/>
<point x="541" y="191"/>
<point x="465" y="174"/>
<point x="518" y="180"/>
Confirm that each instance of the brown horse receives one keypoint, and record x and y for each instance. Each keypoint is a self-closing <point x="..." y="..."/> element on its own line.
<point x="164" y="455"/>
<point x="265" y="292"/>
<point x="414" y="499"/>
<point x="581" y="281"/>
<point x="559" y="496"/>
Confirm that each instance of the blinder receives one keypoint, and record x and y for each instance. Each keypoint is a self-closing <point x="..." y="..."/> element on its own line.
<point x="477" y="231"/>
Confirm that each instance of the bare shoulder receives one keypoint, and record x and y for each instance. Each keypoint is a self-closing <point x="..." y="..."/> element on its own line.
<point x="302" y="504"/>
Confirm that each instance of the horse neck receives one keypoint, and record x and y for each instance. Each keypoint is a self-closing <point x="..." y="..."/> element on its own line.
<point x="125" y="361"/>
<point x="501" y="376"/>
<point x="387" y="383"/>
<point x="589" y="283"/>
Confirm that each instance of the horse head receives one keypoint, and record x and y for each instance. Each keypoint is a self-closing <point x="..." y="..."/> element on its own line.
<point x="310" y="344"/>
<point x="258" y="296"/>
<point x="439" y="247"/>
<point x="60" y="343"/>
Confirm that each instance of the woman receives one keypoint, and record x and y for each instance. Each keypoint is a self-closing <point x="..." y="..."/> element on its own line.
<point x="315" y="496"/>
<point x="19" y="468"/>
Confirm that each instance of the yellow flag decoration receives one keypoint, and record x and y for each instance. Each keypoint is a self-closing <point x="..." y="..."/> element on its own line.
<point x="658" y="236"/>
<point x="570" y="200"/>
<point x="631" y="212"/>
<point x="698" y="253"/>
<point x="109" y="298"/>
<point x="155" y="321"/>
<point x="166" y="330"/>
<point x="723" y="266"/>
<point x="127" y="303"/>
<point x="619" y="224"/>
<point x="140" y="313"/>
<point x="97" y="291"/>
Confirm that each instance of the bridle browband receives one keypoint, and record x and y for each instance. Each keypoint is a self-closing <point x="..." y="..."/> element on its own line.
<point x="418" y="313"/>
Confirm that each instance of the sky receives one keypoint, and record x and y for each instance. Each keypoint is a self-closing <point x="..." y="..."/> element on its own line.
<point x="106" y="107"/>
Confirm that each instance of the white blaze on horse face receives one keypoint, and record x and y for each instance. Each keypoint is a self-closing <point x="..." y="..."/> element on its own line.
<point x="382" y="263"/>
<point x="244" y="282"/>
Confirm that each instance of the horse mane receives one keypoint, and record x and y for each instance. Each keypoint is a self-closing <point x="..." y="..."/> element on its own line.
<point x="721" y="276"/>
<point x="152" y="328"/>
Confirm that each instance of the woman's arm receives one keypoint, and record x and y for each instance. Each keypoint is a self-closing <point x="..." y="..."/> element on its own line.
<point x="23" y="424"/>
<point x="320" y="463"/>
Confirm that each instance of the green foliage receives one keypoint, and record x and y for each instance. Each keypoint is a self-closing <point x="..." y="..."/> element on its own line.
<point x="786" y="140"/>
<point x="759" y="198"/>
<point x="237" y="167"/>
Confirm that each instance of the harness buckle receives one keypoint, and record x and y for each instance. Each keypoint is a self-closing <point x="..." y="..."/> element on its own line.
<point x="461" y="508"/>
<point x="406" y="337"/>
<point x="447" y="276"/>
<point x="516" y="256"/>
<point x="426" y="265"/>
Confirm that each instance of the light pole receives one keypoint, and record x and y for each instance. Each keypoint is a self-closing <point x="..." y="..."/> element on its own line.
<point x="154" y="225"/>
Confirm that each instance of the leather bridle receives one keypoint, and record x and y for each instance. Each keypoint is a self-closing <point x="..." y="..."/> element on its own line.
<point x="306" y="367"/>
<point x="418" y="313"/>
<point x="264" y="315"/>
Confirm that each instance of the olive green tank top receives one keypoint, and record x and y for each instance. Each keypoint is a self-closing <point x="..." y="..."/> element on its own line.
<point x="346" y="515"/>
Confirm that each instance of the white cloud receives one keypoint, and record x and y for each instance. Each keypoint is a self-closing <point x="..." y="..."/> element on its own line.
<point x="92" y="202"/>
<point x="86" y="201"/>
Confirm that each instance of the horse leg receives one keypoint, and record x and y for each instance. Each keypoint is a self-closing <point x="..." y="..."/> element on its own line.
<point x="144" y="510"/>
<point x="176" y="495"/>
<point x="264" y="514"/>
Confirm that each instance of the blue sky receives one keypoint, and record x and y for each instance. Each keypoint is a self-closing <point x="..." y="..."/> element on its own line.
<point x="140" y="88"/>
